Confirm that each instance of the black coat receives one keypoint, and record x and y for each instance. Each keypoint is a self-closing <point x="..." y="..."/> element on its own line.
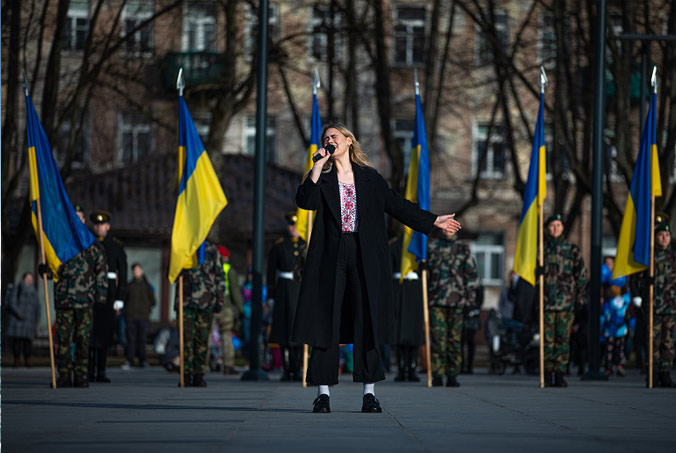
<point x="104" y="315"/>
<point x="283" y="257"/>
<point x="313" y="322"/>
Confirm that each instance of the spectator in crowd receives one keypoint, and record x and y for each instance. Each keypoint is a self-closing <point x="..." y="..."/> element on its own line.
<point x="140" y="301"/>
<point x="228" y="317"/>
<point x="614" y="329"/>
<point x="23" y="315"/>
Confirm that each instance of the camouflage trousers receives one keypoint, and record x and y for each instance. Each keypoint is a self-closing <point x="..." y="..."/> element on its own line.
<point x="226" y="326"/>
<point x="664" y="330"/>
<point x="73" y="326"/>
<point x="446" y="330"/>
<point x="557" y="339"/>
<point x="196" y="325"/>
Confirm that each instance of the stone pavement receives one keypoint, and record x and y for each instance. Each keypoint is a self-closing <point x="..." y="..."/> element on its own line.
<point x="143" y="410"/>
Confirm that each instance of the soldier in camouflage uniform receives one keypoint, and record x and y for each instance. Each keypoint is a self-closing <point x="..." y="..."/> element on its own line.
<point x="81" y="283"/>
<point x="565" y="289"/>
<point x="203" y="294"/>
<point x="664" y="307"/>
<point x="452" y="287"/>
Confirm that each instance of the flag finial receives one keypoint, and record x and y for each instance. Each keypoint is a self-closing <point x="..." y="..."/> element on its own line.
<point x="316" y="83"/>
<point x="25" y="83"/>
<point x="653" y="79"/>
<point x="417" y="85"/>
<point x="543" y="80"/>
<point x="180" y="83"/>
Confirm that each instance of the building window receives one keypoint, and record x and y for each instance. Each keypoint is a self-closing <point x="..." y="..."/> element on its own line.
<point x="135" y="137"/>
<point x="489" y="253"/>
<point x="270" y="140"/>
<point x="202" y="123"/>
<point x="323" y="27"/>
<point x="403" y="135"/>
<point x="199" y="28"/>
<point x="252" y="30"/>
<point x="483" y="45"/>
<point x="76" y="26"/>
<point x="409" y="36"/>
<point x="547" y="41"/>
<point x="81" y="144"/>
<point x="134" y="14"/>
<point x="490" y="158"/>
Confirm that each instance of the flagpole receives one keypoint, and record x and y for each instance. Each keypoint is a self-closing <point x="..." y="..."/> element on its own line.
<point x="180" y="85"/>
<point x="44" y="279"/>
<point x="651" y="289"/>
<point x="316" y="83"/>
<point x="541" y="283"/>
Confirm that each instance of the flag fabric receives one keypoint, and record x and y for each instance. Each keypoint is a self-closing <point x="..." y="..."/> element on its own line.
<point x="302" y="216"/>
<point x="200" y="196"/>
<point x="633" y="247"/>
<point x="414" y="247"/>
<point x="525" y="258"/>
<point x="64" y="234"/>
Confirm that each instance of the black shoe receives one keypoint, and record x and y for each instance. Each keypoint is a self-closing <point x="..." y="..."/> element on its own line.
<point x="437" y="382"/>
<point x="665" y="380"/>
<point x="559" y="381"/>
<point x="63" y="381"/>
<point x="321" y="404"/>
<point x="401" y="375"/>
<point x="451" y="381"/>
<point x="286" y="376"/>
<point x="81" y="382"/>
<point x="412" y="375"/>
<point x="103" y="379"/>
<point x="187" y="380"/>
<point x="548" y="379"/>
<point x="198" y="381"/>
<point x="371" y="404"/>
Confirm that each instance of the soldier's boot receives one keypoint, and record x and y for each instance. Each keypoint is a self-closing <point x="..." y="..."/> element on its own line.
<point x="187" y="380"/>
<point x="401" y="365"/>
<point x="452" y="381"/>
<point x="413" y="364"/>
<point x="80" y="381"/>
<point x="548" y="378"/>
<point x="559" y="381"/>
<point x="286" y="374"/>
<point x="437" y="381"/>
<point x="198" y="381"/>
<point x="64" y="380"/>
<point x="665" y="380"/>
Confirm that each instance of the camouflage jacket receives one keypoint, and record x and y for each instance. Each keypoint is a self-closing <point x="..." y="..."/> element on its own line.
<point x="453" y="274"/>
<point x="204" y="285"/>
<point x="565" y="276"/>
<point x="665" y="281"/>
<point x="82" y="280"/>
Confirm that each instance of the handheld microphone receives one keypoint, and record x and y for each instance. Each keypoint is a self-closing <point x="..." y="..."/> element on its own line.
<point x="329" y="149"/>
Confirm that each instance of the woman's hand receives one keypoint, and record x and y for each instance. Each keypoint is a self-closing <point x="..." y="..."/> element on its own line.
<point x="316" y="171"/>
<point x="447" y="223"/>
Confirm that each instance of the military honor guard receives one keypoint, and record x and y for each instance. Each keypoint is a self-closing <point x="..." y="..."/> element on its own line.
<point x="452" y="287"/>
<point x="284" y="256"/>
<point x="82" y="284"/>
<point x="565" y="283"/>
<point x="203" y="294"/>
<point x="104" y="314"/>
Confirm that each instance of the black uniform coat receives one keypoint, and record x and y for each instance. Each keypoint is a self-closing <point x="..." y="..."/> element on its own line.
<point x="282" y="258"/>
<point x="104" y="315"/>
<point x="313" y="322"/>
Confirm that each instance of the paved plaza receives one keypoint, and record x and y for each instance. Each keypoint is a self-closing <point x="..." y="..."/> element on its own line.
<point x="143" y="410"/>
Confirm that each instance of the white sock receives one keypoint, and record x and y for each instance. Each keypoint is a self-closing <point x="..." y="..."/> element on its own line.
<point x="370" y="388"/>
<point x="323" y="389"/>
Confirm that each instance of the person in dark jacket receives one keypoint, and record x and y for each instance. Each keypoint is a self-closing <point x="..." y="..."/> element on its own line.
<point x="346" y="292"/>
<point x="104" y="314"/>
<point x="23" y="315"/>
<point x="140" y="301"/>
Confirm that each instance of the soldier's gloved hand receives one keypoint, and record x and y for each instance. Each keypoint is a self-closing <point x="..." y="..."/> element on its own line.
<point x="637" y="301"/>
<point x="45" y="271"/>
<point x="539" y="270"/>
<point x="118" y="305"/>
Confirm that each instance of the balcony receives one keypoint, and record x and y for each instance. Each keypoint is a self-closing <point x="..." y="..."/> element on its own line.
<point x="199" y="68"/>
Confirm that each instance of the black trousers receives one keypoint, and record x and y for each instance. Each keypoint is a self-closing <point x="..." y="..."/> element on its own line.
<point x="24" y="345"/>
<point x="350" y="291"/>
<point x="136" y="332"/>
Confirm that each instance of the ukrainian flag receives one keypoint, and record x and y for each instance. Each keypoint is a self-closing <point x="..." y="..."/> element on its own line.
<point x="633" y="247"/>
<point x="302" y="216"/>
<point x="525" y="258"/>
<point x="64" y="235"/>
<point x="417" y="190"/>
<point x="200" y="196"/>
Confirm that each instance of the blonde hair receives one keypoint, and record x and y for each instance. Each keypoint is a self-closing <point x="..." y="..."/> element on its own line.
<point x="357" y="156"/>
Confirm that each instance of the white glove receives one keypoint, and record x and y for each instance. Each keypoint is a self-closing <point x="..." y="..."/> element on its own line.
<point x="118" y="305"/>
<point x="637" y="302"/>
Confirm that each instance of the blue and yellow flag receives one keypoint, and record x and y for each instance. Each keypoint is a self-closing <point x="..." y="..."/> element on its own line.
<point x="525" y="258"/>
<point x="302" y="216"/>
<point x="633" y="247"/>
<point x="414" y="248"/>
<point x="200" y="196"/>
<point x="64" y="234"/>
